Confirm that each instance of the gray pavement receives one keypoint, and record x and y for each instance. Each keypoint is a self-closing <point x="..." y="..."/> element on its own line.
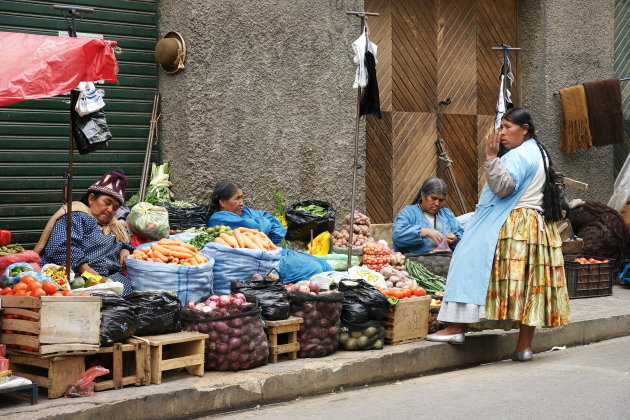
<point x="589" y="381"/>
<point x="184" y="396"/>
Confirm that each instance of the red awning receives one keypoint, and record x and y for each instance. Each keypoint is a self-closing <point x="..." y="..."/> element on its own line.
<point x="38" y="66"/>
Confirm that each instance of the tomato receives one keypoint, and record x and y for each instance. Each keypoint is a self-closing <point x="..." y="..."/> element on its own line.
<point x="20" y="293"/>
<point x="67" y="293"/>
<point x="421" y="291"/>
<point x="605" y="261"/>
<point x="592" y="261"/>
<point x="49" y="287"/>
<point x="10" y="293"/>
<point x="27" y="279"/>
<point x="84" y="294"/>
<point x="39" y="292"/>
<point x="34" y="285"/>
<point x="55" y="294"/>
<point x="6" y="290"/>
<point x="397" y="294"/>
<point x="406" y="292"/>
<point x="20" y="286"/>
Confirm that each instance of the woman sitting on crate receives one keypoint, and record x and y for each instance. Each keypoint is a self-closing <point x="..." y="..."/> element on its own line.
<point x="99" y="243"/>
<point x="420" y="227"/>
<point x="509" y="265"/>
<point x="227" y="208"/>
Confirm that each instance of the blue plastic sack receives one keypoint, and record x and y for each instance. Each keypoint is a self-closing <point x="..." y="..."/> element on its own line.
<point x="238" y="264"/>
<point x="297" y="266"/>
<point x="188" y="282"/>
<point x="8" y="281"/>
<point x="624" y="275"/>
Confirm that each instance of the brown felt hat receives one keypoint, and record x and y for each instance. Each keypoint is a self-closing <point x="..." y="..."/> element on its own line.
<point x="170" y="52"/>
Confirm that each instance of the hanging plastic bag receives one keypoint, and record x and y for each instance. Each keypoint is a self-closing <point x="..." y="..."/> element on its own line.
<point x="84" y="387"/>
<point x="148" y="221"/>
<point x="362" y="302"/>
<point x="90" y="99"/>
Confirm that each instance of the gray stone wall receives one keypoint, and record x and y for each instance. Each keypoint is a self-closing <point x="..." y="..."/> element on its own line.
<point x="265" y="100"/>
<point x="565" y="43"/>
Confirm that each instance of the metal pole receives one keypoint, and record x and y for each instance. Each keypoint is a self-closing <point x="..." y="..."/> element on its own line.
<point x="73" y="12"/>
<point x="149" y="149"/>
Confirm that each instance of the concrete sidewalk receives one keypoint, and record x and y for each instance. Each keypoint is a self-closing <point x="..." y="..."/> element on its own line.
<point x="185" y="396"/>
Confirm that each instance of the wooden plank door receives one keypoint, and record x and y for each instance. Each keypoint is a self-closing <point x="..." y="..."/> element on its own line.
<point x="438" y="79"/>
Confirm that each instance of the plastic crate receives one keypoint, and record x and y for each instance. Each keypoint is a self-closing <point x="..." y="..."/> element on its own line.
<point x="589" y="280"/>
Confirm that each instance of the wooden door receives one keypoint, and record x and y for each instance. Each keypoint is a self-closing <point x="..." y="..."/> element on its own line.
<point x="437" y="76"/>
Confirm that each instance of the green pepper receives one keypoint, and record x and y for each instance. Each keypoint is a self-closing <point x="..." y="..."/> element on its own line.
<point x="78" y="283"/>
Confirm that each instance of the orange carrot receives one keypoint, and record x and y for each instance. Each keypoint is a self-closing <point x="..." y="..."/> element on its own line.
<point x="249" y="243"/>
<point x="257" y="241"/>
<point x="220" y="240"/>
<point x="200" y="258"/>
<point x="189" y="246"/>
<point x="231" y="240"/>
<point x="244" y="229"/>
<point x="239" y="238"/>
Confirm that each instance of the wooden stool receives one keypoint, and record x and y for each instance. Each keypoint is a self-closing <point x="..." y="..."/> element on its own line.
<point x="283" y="338"/>
<point x="56" y="373"/>
<point x="127" y="363"/>
<point x="173" y="351"/>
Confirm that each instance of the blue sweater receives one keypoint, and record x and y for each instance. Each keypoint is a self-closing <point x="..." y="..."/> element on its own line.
<point x="406" y="229"/>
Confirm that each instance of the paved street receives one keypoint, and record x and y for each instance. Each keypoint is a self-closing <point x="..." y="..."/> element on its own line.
<point x="581" y="382"/>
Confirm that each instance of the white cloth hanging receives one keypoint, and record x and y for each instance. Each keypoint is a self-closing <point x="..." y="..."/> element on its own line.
<point x="503" y="103"/>
<point x="359" y="47"/>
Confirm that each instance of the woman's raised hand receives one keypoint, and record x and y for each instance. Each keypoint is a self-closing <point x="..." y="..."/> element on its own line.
<point x="122" y="257"/>
<point x="492" y="144"/>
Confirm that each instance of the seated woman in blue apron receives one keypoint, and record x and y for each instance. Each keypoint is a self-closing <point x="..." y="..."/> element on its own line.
<point x="227" y="208"/>
<point x="420" y="227"/>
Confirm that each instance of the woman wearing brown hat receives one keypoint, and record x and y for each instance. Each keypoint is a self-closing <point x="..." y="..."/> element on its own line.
<point x="100" y="244"/>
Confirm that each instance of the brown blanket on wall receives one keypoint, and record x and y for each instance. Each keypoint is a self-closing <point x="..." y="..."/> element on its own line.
<point x="605" y="114"/>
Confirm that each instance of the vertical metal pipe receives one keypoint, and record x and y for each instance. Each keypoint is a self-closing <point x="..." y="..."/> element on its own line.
<point x="355" y="166"/>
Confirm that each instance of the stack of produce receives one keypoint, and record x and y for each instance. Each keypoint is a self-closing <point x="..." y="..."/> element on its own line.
<point x="321" y="311"/>
<point x="376" y="255"/>
<point x="148" y="221"/>
<point x="363" y="309"/>
<point x="207" y="235"/>
<point x="396" y="278"/>
<point x="431" y="282"/>
<point x="237" y="340"/>
<point x="29" y="286"/>
<point x="397" y="260"/>
<point x="361" y="229"/>
<point x="10" y="250"/>
<point x="270" y="293"/>
<point x="170" y="251"/>
<point x="404" y="293"/>
<point x="243" y="237"/>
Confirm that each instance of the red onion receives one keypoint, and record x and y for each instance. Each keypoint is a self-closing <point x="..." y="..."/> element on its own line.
<point x="224" y="300"/>
<point x="240" y="296"/>
<point x="313" y="286"/>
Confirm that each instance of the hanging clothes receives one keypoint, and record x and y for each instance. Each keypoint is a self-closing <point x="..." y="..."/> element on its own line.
<point x="576" y="133"/>
<point x="505" y="97"/>
<point x="360" y="46"/>
<point x="370" y="101"/>
<point x="605" y="113"/>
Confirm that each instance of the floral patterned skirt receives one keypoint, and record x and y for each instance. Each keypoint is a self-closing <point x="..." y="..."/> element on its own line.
<point x="527" y="283"/>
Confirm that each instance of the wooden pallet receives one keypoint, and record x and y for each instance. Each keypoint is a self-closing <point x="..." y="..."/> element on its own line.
<point x="56" y="374"/>
<point x="128" y="364"/>
<point x="174" y="351"/>
<point x="282" y="337"/>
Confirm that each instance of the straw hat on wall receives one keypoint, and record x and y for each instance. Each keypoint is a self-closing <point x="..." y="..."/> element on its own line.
<point x="170" y="52"/>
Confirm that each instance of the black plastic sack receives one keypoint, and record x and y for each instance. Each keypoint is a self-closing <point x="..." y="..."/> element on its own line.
<point x="180" y="218"/>
<point x="271" y="294"/>
<point x="90" y="132"/>
<point x="158" y="312"/>
<point x="300" y="223"/>
<point x="118" y="320"/>
<point x="437" y="263"/>
<point x="362" y="303"/>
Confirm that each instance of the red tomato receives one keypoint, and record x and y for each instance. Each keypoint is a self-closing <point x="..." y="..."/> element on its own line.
<point x="39" y="292"/>
<point x="49" y="287"/>
<point x="20" y="286"/>
<point x="422" y="291"/>
<point x="6" y="290"/>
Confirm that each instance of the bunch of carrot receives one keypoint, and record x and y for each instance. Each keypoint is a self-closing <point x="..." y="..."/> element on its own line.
<point x="170" y="251"/>
<point x="246" y="238"/>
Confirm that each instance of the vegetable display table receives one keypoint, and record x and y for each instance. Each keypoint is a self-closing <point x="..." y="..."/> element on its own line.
<point x="283" y="338"/>
<point x="183" y="349"/>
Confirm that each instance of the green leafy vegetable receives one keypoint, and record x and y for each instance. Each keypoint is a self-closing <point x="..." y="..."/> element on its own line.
<point x="313" y="209"/>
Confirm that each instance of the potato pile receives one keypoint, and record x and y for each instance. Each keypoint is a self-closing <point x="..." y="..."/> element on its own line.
<point x="361" y="229"/>
<point x="396" y="278"/>
<point x="397" y="260"/>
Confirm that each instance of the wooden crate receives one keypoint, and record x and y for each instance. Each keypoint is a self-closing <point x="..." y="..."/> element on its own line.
<point x="409" y="322"/>
<point x="174" y="351"/>
<point x="282" y="336"/>
<point x="54" y="373"/>
<point x="56" y="324"/>
<point x="128" y="364"/>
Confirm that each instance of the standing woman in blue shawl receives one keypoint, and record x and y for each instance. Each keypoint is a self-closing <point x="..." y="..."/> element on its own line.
<point x="227" y="208"/>
<point x="509" y="264"/>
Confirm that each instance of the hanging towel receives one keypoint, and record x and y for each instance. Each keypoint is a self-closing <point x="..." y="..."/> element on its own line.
<point x="576" y="133"/>
<point x="605" y="115"/>
<point x="360" y="46"/>
<point x="370" y="102"/>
